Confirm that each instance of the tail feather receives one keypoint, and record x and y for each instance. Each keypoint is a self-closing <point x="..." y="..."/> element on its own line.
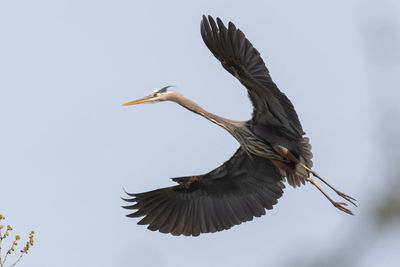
<point x="297" y="178"/>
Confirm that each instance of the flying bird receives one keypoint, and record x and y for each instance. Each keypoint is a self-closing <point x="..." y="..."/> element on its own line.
<point x="272" y="149"/>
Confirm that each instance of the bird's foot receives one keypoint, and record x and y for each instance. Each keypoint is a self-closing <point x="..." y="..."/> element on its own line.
<point x="340" y="206"/>
<point x="348" y="198"/>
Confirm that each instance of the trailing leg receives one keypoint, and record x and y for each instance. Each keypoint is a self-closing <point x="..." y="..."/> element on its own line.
<point x="283" y="151"/>
<point x="339" y="205"/>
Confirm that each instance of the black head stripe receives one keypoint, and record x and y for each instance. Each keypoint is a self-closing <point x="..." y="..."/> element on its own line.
<point x="164" y="89"/>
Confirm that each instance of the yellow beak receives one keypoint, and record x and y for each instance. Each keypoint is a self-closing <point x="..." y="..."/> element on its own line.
<point x="140" y="101"/>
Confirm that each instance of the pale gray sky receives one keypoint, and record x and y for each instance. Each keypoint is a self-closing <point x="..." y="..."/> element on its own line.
<point x="68" y="146"/>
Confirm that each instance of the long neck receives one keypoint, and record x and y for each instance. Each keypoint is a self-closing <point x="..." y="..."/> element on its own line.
<point x="227" y="124"/>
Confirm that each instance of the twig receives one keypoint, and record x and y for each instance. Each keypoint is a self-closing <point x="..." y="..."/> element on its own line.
<point x="20" y="256"/>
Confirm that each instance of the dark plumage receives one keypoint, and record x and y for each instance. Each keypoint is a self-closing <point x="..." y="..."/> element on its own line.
<point x="233" y="193"/>
<point x="272" y="142"/>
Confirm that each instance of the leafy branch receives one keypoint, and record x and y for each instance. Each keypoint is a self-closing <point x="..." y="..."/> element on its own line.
<point x="14" y="244"/>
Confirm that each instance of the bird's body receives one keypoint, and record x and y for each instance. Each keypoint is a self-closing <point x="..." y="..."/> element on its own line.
<point x="272" y="148"/>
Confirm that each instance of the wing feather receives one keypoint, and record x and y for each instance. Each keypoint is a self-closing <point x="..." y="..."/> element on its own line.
<point x="238" y="56"/>
<point x="235" y="192"/>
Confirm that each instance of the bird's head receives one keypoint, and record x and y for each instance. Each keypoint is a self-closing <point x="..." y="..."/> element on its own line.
<point x="156" y="96"/>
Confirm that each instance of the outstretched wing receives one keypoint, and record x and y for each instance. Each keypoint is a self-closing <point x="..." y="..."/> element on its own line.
<point x="241" y="59"/>
<point x="231" y="194"/>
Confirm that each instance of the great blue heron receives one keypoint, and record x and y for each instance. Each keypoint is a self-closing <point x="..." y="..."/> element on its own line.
<point x="272" y="147"/>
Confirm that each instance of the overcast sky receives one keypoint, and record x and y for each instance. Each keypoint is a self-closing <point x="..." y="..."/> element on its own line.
<point x="68" y="147"/>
